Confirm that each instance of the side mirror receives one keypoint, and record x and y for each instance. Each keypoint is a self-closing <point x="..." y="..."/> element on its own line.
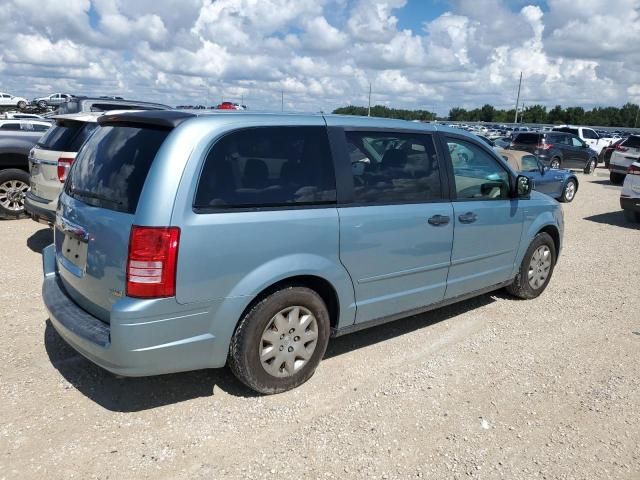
<point x="524" y="185"/>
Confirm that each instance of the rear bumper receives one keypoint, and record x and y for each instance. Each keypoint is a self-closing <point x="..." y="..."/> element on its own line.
<point x="40" y="209"/>
<point x="143" y="338"/>
<point x="615" y="168"/>
<point x="629" y="203"/>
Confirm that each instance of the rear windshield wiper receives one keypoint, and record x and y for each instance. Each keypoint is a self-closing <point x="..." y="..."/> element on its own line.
<point x="92" y="195"/>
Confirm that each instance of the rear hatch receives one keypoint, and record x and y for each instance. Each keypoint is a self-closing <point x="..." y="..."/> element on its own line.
<point x="59" y="144"/>
<point x="97" y="209"/>
<point x="527" y="142"/>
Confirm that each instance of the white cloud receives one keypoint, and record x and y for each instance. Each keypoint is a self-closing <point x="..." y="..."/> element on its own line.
<point x="323" y="53"/>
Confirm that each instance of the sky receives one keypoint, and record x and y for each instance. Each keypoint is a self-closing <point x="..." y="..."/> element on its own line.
<point x="322" y="54"/>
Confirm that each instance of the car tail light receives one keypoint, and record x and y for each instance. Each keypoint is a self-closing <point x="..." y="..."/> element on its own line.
<point x="64" y="164"/>
<point x="544" y="146"/>
<point x="633" y="170"/>
<point x="152" y="261"/>
<point x="620" y="148"/>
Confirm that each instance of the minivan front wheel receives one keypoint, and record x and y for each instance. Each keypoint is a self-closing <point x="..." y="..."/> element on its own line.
<point x="279" y="343"/>
<point x="536" y="268"/>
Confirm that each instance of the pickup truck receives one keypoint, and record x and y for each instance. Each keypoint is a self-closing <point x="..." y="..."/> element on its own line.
<point x="588" y="135"/>
<point x="14" y="169"/>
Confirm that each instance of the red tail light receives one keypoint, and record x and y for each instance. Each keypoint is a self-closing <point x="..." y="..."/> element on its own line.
<point x="544" y="146"/>
<point x="621" y="148"/>
<point x="152" y="261"/>
<point x="633" y="170"/>
<point x="64" y="164"/>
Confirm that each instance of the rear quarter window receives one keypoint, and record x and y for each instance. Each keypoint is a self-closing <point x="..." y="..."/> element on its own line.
<point x="112" y="166"/>
<point x="267" y="167"/>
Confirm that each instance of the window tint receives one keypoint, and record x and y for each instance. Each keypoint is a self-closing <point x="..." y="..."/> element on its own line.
<point x="10" y="126"/>
<point x="590" y="134"/>
<point x="268" y="167"/>
<point x="559" y="139"/>
<point x="112" y="166"/>
<point x="632" y="142"/>
<point x="529" y="163"/>
<point x="40" y="128"/>
<point x="66" y="137"/>
<point x="477" y="174"/>
<point x="527" y="138"/>
<point x="390" y="167"/>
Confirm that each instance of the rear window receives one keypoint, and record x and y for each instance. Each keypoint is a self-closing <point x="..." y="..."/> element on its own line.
<point x="268" y="167"/>
<point x="112" y="166"/>
<point x="632" y="142"/>
<point x="567" y="130"/>
<point x="67" y="137"/>
<point x="527" y="138"/>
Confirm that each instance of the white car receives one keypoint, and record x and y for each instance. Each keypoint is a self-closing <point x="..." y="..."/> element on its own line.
<point x="8" y="100"/>
<point x="625" y="153"/>
<point x="630" y="195"/>
<point x="22" y="116"/>
<point x="19" y="125"/>
<point x="588" y="135"/>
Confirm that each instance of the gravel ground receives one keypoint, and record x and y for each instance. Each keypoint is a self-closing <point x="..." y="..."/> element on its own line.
<point x="489" y="388"/>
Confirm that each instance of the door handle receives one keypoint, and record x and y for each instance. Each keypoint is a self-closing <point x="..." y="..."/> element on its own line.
<point x="438" y="220"/>
<point x="468" y="217"/>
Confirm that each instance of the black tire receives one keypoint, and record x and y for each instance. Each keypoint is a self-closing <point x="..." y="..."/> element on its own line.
<point x="521" y="286"/>
<point x="42" y="104"/>
<point x="555" y="163"/>
<point x="8" y="193"/>
<point x="246" y="343"/>
<point x="631" y="216"/>
<point x="591" y="165"/>
<point x="567" y="196"/>
<point x="21" y="104"/>
<point x="616" y="178"/>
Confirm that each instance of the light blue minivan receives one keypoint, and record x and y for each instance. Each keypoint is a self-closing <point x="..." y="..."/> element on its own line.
<point x="187" y="241"/>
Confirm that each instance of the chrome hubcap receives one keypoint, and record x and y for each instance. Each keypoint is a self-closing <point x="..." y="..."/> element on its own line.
<point x="592" y="166"/>
<point x="570" y="191"/>
<point x="12" y="194"/>
<point x="539" y="267"/>
<point x="288" y="341"/>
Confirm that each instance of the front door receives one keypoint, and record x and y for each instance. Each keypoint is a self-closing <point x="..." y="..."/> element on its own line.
<point x="580" y="154"/>
<point x="488" y="223"/>
<point x="397" y="230"/>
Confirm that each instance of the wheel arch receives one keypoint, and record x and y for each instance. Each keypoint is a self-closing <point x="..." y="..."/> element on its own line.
<point x="554" y="233"/>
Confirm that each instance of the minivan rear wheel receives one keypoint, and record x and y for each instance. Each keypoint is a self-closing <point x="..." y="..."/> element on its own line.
<point x="279" y="343"/>
<point x="14" y="185"/>
<point x="536" y="268"/>
<point x="616" y="178"/>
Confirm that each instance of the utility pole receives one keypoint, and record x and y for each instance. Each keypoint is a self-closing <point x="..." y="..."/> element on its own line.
<point x="369" y="109"/>
<point x="635" y="122"/>
<point x="518" y="98"/>
<point x="282" y="99"/>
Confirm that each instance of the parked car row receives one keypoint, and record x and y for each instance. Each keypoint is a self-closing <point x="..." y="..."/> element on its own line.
<point x="19" y="136"/>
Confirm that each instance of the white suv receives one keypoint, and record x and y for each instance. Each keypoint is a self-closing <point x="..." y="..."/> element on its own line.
<point x="588" y="135"/>
<point x="630" y="195"/>
<point x="50" y="160"/>
<point x="625" y="153"/>
<point x="8" y="100"/>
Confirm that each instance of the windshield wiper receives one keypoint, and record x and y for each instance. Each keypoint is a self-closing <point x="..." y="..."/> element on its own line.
<point x="95" y="196"/>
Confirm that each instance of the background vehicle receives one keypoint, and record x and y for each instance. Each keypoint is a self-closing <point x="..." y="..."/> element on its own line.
<point x="20" y="125"/>
<point x="90" y="104"/>
<point x="606" y="152"/>
<point x="252" y="238"/>
<point x="230" y="106"/>
<point x="22" y="116"/>
<point x="50" y="160"/>
<point x="559" y="184"/>
<point x="630" y="195"/>
<point x="588" y="135"/>
<point x="52" y="100"/>
<point x="14" y="177"/>
<point x="8" y="100"/>
<point x="625" y="153"/>
<point x="557" y="149"/>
